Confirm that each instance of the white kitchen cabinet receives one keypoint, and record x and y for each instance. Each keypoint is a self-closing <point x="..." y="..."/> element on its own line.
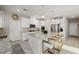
<point x="1" y="19"/>
<point x="25" y="36"/>
<point x="14" y="29"/>
<point x="33" y="20"/>
<point x="25" y="22"/>
<point x="35" y="44"/>
<point x="55" y="21"/>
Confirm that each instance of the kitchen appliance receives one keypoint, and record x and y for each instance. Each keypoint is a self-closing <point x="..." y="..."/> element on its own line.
<point x="32" y="26"/>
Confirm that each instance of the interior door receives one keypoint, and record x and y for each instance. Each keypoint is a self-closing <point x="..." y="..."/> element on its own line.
<point x="73" y="29"/>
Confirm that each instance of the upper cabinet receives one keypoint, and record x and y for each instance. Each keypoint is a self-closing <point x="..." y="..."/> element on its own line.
<point x="34" y="21"/>
<point x="25" y="22"/>
<point x="1" y="19"/>
<point x="55" y="21"/>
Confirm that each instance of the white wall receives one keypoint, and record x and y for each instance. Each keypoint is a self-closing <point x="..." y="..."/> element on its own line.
<point x="25" y="22"/>
<point x="65" y="26"/>
<point x="14" y="29"/>
<point x="4" y="21"/>
<point x="55" y="21"/>
<point x="1" y="18"/>
<point x="73" y="29"/>
<point x="33" y="20"/>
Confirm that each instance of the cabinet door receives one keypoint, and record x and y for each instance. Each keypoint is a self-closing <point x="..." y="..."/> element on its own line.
<point x="25" y="22"/>
<point x="1" y="18"/>
<point x="31" y="42"/>
<point x="34" y="21"/>
<point x="25" y="36"/>
<point x="35" y="44"/>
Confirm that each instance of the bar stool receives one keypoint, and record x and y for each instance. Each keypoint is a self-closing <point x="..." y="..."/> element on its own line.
<point x="48" y="45"/>
<point x="58" y="43"/>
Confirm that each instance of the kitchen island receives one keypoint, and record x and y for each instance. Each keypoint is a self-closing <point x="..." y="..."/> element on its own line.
<point x="36" y="41"/>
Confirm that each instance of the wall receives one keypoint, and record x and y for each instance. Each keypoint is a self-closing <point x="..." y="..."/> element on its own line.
<point x="14" y="29"/>
<point x="1" y="18"/>
<point x="65" y="26"/>
<point x="4" y="22"/>
<point x="73" y="27"/>
<point x="33" y="20"/>
<point x="25" y="22"/>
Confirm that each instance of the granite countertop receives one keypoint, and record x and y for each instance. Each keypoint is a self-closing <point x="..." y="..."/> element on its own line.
<point x="29" y="29"/>
<point x="40" y="35"/>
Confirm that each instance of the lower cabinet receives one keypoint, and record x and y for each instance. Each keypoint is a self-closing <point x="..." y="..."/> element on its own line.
<point x="35" y="44"/>
<point x="25" y="36"/>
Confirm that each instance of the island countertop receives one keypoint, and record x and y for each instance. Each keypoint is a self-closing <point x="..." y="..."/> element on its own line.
<point x="40" y="35"/>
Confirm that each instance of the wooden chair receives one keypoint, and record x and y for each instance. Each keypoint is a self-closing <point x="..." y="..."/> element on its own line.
<point x="58" y="43"/>
<point x="48" y="45"/>
<point x="54" y="44"/>
<point x="57" y="47"/>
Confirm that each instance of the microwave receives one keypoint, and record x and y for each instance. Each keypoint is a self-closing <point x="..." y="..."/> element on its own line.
<point x="32" y="26"/>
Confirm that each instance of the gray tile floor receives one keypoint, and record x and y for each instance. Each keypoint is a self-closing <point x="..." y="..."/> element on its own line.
<point x="5" y="46"/>
<point x="22" y="47"/>
<point x="72" y="42"/>
<point x="17" y="49"/>
<point x="26" y="47"/>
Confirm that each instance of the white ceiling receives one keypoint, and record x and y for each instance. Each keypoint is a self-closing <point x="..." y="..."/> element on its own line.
<point x="48" y="11"/>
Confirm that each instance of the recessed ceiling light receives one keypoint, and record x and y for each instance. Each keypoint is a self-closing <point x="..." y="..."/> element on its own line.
<point x="72" y="16"/>
<point x="25" y="10"/>
<point x="18" y="10"/>
<point x="43" y="16"/>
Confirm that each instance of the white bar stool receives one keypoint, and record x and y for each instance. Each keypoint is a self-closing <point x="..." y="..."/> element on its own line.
<point x="48" y="45"/>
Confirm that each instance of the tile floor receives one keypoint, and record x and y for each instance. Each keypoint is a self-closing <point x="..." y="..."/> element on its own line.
<point x="21" y="47"/>
<point x="71" y="46"/>
<point x="5" y="46"/>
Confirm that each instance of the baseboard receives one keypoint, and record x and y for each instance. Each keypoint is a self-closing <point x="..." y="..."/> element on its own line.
<point x="74" y="36"/>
